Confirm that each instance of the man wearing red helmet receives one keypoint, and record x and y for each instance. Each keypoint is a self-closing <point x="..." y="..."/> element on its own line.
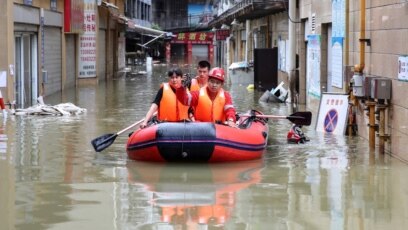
<point x="211" y="103"/>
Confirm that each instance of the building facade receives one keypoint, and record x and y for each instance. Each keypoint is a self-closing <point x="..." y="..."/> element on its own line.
<point x="368" y="39"/>
<point x="50" y="45"/>
<point x="355" y="48"/>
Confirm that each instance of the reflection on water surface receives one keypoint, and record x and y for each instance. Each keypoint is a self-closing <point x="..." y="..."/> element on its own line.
<point x="52" y="179"/>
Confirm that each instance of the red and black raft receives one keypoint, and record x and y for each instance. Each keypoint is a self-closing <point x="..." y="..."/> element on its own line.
<point x="200" y="141"/>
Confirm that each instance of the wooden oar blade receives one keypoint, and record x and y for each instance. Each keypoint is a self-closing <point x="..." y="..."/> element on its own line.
<point x="104" y="141"/>
<point x="301" y="118"/>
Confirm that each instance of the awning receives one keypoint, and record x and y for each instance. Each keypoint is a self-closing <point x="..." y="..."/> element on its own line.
<point x="142" y="29"/>
<point x="146" y="31"/>
<point x="109" y="5"/>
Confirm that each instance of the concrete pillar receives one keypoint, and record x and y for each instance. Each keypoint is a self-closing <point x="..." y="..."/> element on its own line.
<point x="248" y="31"/>
<point x="7" y="48"/>
<point x="189" y="53"/>
<point x="168" y="52"/>
<point x="7" y="170"/>
<point x="211" y="54"/>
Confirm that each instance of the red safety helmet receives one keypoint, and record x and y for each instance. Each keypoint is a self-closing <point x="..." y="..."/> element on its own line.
<point x="217" y="73"/>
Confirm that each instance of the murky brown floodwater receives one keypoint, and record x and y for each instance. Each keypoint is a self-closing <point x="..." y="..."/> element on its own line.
<point x="51" y="178"/>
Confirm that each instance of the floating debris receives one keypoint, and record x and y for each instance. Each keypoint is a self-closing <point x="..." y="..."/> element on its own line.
<point x="62" y="109"/>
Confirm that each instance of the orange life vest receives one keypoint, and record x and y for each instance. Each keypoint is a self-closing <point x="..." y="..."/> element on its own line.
<point x="207" y="110"/>
<point x="170" y="109"/>
<point x="194" y="85"/>
<point x="216" y="213"/>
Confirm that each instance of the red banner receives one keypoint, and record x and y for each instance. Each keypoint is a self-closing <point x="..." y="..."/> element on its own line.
<point x="194" y="38"/>
<point x="221" y="34"/>
<point x="73" y="16"/>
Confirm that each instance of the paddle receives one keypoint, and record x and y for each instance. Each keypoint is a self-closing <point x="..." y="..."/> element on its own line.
<point x="104" y="141"/>
<point x="299" y="118"/>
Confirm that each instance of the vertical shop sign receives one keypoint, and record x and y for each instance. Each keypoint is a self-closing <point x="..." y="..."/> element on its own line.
<point x="338" y="31"/>
<point x="87" y="42"/>
<point x="74" y="16"/>
<point x="403" y="68"/>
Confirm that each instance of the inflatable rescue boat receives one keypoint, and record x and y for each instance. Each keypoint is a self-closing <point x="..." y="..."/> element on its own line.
<point x="200" y="141"/>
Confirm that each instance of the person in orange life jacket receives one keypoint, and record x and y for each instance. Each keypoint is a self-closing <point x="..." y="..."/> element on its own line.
<point x="202" y="78"/>
<point x="165" y="102"/>
<point x="211" y="103"/>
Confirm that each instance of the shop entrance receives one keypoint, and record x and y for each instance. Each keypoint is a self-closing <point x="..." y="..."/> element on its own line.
<point x="26" y="72"/>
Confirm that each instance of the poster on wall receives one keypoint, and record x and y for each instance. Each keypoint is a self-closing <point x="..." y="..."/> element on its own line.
<point x="338" y="18"/>
<point x="337" y="62"/>
<point x="403" y="68"/>
<point x="332" y="116"/>
<point x="282" y="55"/>
<point x="313" y="65"/>
<point x="3" y="79"/>
<point x="87" y="42"/>
<point x="121" y="51"/>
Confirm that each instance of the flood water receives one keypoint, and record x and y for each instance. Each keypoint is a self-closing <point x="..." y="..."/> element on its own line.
<point x="51" y="178"/>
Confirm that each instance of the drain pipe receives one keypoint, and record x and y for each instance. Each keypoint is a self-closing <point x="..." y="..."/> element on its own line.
<point x="353" y="100"/>
<point x="360" y="69"/>
<point x="361" y="66"/>
<point x="383" y="137"/>
<point x="292" y="50"/>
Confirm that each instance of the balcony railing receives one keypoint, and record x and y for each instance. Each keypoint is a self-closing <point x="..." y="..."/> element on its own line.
<point x="190" y="22"/>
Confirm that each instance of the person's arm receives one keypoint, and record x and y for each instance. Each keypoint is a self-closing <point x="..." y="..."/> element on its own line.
<point x="153" y="108"/>
<point x="149" y="115"/>
<point x="229" y="110"/>
<point x="189" y="98"/>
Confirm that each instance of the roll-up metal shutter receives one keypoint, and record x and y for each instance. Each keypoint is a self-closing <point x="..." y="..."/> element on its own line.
<point x="200" y="52"/>
<point x="70" y="60"/>
<point x="52" y="59"/>
<point x="101" y="66"/>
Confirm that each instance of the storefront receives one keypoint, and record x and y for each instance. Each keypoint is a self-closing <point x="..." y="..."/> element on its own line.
<point x="191" y="47"/>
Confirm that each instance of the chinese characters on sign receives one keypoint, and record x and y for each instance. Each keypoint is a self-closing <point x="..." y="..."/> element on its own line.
<point x="332" y="117"/>
<point x="87" y="42"/>
<point x="221" y="35"/>
<point x="196" y="38"/>
<point x="334" y="101"/>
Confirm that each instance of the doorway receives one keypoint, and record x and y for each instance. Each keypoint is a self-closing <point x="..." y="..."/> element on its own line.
<point x="26" y="72"/>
